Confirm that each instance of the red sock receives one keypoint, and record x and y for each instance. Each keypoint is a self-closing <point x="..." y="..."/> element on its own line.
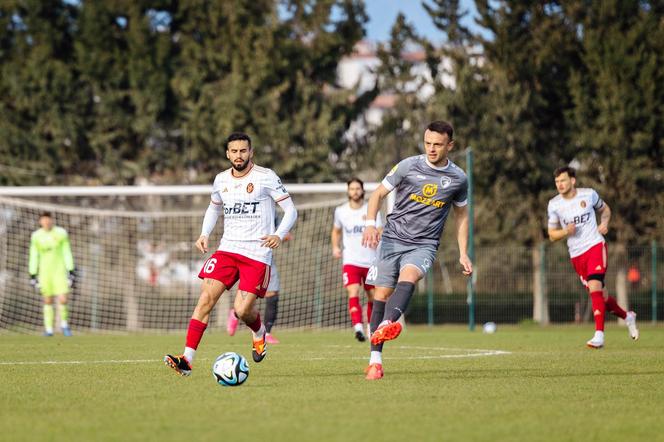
<point x="613" y="307"/>
<point x="256" y="325"/>
<point x="195" y="333"/>
<point x="369" y="309"/>
<point x="597" y="299"/>
<point x="355" y="310"/>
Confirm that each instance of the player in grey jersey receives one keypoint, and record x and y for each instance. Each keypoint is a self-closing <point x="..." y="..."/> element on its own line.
<point x="426" y="188"/>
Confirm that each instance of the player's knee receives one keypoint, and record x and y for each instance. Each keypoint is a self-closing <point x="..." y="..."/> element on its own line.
<point x="595" y="282"/>
<point x="245" y="312"/>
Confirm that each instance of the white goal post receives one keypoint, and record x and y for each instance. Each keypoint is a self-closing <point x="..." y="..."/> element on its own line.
<point x="138" y="268"/>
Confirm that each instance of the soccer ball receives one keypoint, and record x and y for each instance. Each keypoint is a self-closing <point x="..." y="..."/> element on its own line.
<point x="230" y="369"/>
<point x="490" y="327"/>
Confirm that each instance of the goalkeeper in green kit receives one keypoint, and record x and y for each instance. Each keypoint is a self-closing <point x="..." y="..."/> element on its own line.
<point x="51" y="269"/>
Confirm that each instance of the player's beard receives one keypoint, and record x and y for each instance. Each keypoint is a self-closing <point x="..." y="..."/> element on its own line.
<point x="356" y="198"/>
<point x="240" y="167"/>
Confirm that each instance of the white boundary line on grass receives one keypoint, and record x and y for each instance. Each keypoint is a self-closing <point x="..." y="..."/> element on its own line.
<point x="469" y="353"/>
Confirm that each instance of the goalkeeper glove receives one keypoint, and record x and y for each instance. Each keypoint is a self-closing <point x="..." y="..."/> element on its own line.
<point x="34" y="282"/>
<point x="72" y="278"/>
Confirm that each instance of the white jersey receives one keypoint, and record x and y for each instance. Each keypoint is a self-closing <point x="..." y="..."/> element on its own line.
<point x="351" y="221"/>
<point x="579" y="211"/>
<point x="249" y="203"/>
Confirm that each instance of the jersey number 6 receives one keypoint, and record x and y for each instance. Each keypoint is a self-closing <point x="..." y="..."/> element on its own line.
<point x="209" y="265"/>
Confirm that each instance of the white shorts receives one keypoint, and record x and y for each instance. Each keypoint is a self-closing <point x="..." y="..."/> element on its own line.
<point x="273" y="285"/>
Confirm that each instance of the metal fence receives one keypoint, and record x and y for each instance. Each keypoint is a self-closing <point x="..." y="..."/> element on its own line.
<point x="506" y="277"/>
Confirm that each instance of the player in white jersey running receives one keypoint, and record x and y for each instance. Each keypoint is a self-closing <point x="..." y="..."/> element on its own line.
<point x="246" y="193"/>
<point x="571" y="215"/>
<point x="349" y="220"/>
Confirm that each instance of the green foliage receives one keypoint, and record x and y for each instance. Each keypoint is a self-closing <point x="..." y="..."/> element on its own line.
<point x="112" y="91"/>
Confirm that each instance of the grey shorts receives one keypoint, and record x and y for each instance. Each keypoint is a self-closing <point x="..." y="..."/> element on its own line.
<point x="273" y="285"/>
<point x="394" y="256"/>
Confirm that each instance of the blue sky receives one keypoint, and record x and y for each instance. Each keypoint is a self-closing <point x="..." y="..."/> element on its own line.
<point x="383" y="12"/>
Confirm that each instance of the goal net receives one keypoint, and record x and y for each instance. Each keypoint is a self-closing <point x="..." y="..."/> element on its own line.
<point x="137" y="269"/>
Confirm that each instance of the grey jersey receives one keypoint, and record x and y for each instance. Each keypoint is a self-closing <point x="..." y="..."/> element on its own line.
<point x="424" y="195"/>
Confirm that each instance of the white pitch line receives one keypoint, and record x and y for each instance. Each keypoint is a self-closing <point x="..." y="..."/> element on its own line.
<point x="472" y="353"/>
<point x="467" y="355"/>
<point x="110" y="361"/>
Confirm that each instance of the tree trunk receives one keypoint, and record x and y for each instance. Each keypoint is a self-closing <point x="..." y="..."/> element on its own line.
<point x="540" y="297"/>
<point x="621" y="278"/>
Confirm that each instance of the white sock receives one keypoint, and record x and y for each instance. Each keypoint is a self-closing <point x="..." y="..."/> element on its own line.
<point x="189" y="354"/>
<point x="358" y="327"/>
<point x="376" y="358"/>
<point x="259" y="333"/>
<point x="64" y="324"/>
<point x="599" y="335"/>
<point x="48" y="330"/>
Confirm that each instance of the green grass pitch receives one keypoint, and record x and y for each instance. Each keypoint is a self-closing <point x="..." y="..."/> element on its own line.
<point x="444" y="383"/>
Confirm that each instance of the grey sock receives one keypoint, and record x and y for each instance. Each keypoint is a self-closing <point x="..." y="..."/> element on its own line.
<point x="376" y="319"/>
<point x="398" y="302"/>
<point x="270" y="312"/>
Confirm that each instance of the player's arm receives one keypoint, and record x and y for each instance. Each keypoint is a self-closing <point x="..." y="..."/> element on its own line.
<point x="33" y="261"/>
<point x="68" y="258"/>
<point x="335" y="237"/>
<point x="604" y="217"/>
<point x="287" y="222"/>
<point x="212" y="214"/>
<point x="556" y="234"/>
<point x="209" y="221"/>
<point x="371" y="235"/>
<point x="462" y="224"/>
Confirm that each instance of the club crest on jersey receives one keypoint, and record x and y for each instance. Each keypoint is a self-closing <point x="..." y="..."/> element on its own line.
<point x="583" y="204"/>
<point x="445" y="182"/>
<point x="225" y="190"/>
<point x="429" y="190"/>
<point x="250" y="188"/>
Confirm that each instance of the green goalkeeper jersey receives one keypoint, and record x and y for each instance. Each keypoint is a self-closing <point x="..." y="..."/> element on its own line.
<point x="50" y="253"/>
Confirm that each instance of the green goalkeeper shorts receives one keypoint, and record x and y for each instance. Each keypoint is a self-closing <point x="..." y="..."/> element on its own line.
<point x="53" y="285"/>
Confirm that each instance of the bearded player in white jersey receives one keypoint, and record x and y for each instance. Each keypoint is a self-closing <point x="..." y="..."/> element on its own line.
<point x="572" y="216"/>
<point x="246" y="194"/>
<point x="349" y="220"/>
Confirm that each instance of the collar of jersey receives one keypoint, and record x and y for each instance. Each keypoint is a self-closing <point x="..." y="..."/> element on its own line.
<point x="245" y="175"/>
<point x="445" y="167"/>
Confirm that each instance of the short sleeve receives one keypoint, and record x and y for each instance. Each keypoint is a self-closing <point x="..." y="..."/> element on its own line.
<point x="275" y="188"/>
<point x="215" y="197"/>
<point x="553" y="219"/>
<point x="595" y="200"/>
<point x="396" y="175"/>
<point x="337" y="218"/>
<point x="461" y="196"/>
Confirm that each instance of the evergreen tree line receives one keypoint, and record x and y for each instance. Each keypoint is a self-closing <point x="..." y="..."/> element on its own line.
<point x="106" y="92"/>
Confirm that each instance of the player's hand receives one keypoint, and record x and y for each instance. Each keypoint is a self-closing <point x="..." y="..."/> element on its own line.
<point x="466" y="264"/>
<point x="202" y="243"/>
<point x="34" y="282"/>
<point x="336" y="252"/>
<point x="571" y="229"/>
<point x="370" y="237"/>
<point x="288" y="237"/>
<point x="603" y="229"/>
<point x="271" y="241"/>
<point x="71" y="279"/>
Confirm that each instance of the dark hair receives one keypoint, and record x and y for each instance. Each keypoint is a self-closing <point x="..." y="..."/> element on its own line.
<point x="355" y="180"/>
<point x="442" y="127"/>
<point x="235" y="136"/>
<point x="565" y="169"/>
<point x="45" y="213"/>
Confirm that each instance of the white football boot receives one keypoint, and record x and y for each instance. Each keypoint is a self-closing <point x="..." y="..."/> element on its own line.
<point x="597" y="341"/>
<point x="630" y="321"/>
